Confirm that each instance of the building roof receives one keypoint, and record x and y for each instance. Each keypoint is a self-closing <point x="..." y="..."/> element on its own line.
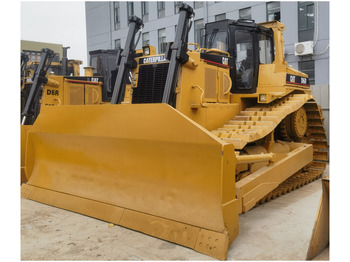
<point x="37" y="46"/>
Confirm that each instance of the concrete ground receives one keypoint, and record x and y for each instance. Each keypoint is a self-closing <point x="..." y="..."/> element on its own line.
<point x="278" y="230"/>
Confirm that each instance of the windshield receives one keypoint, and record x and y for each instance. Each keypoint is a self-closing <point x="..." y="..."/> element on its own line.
<point x="217" y="39"/>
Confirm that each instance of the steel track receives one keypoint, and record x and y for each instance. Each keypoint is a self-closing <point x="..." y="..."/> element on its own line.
<point x="316" y="135"/>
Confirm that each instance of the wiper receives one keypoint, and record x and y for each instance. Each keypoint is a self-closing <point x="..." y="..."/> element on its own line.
<point x="212" y="37"/>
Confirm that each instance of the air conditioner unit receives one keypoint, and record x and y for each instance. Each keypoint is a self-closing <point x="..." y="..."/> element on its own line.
<point x="304" y="48"/>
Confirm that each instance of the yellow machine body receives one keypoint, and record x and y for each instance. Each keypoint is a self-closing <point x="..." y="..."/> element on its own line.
<point x="182" y="174"/>
<point x="64" y="91"/>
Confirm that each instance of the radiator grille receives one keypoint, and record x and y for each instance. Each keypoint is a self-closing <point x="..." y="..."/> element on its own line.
<point x="151" y="83"/>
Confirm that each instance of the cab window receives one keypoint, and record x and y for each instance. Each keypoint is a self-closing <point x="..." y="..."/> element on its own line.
<point x="244" y="59"/>
<point x="96" y="63"/>
<point x="217" y="39"/>
<point x="265" y="49"/>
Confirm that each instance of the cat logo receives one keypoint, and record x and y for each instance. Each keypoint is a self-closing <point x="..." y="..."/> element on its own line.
<point x="154" y="59"/>
<point x="225" y="60"/>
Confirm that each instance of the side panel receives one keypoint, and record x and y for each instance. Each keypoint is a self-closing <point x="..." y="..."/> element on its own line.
<point x="203" y="94"/>
<point x="53" y="95"/>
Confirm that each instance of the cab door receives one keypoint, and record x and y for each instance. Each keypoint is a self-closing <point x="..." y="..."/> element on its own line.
<point x="245" y="71"/>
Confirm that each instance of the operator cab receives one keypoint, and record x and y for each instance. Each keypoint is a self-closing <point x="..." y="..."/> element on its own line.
<point x="248" y="43"/>
<point x="106" y="64"/>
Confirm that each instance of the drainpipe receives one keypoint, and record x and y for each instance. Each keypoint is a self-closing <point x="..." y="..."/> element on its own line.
<point x="110" y="25"/>
<point x="205" y="12"/>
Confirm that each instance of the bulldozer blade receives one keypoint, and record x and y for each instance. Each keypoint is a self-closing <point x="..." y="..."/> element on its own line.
<point x="146" y="167"/>
<point x="320" y="233"/>
<point x="24" y="134"/>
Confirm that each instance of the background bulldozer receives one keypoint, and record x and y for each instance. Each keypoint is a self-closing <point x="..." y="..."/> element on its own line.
<point x="50" y="83"/>
<point x="189" y="139"/>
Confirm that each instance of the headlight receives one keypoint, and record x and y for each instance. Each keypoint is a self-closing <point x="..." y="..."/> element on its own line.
<point x="146" y="50"/>
<point x="262" y="97"/>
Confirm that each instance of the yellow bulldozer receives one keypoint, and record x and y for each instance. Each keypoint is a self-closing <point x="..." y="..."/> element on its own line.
<point x="51" y="83"/>
<point x="33" y="75"/>
<point x="186" y="140"/>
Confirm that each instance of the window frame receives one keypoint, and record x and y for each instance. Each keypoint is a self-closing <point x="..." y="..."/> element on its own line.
<point x="145" y="11"/>
<point x="127" y="9"/>
<point x="198" y="4"/>
<point x="177" y="6"/>
<point x="116" y="11"/>
<point x="245" y="9"/>
<point x="160" y="12"/>
<point x="303" y="34"/>
<point x="161" y="40"/>
<point x="218" y="17"/>
<point x="269" y="12"/>
<point x="143" y="38"/>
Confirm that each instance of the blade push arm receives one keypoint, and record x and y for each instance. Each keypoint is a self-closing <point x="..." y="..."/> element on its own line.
<point x="39" y="78"/>
<point x="127" y="61"/>
<point x="177" y="53"/>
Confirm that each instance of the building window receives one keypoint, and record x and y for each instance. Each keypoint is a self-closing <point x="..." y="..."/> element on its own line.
<point x="273" y="11"/>
<point x="130" y="8"/>
<point x="145" y="11"/>
<point x="33" y="56"/>
<point x="145" y="39"/>
<point x="177" y="6"/>
<point x="27" y="53"/>
<point x="117" y="43"/>
<point x="161" y="9"/>
<point x="308" y="67"/>
<point x="161" y="41"/>
<point x="116" y="15"/>
<point x="245" y="13"/>
<point x="38" y="56"/>
<point x="198" y="4"/>
<point x="198" y="31"/>
<point x="220" y="17"/>
<point x="306" y="21"/>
